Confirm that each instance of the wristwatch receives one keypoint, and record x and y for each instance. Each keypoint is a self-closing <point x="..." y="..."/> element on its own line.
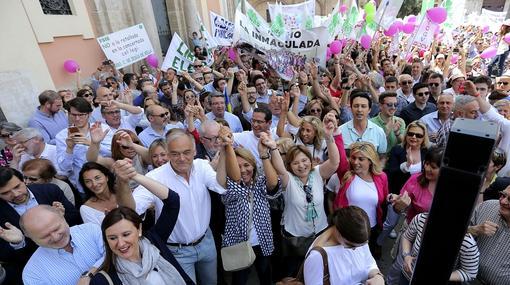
<point x="405" y="254"/>
<point x="86" y="274"/>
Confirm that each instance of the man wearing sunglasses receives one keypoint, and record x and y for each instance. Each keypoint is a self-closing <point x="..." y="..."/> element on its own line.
<point x="15" y="199"/>
<point x="159" y="118"/>
<point x="490" y="224"/>
<point x="420" y="107"/>
<point x="405" y="92"/>
<point x="435" y="82"/>
<point x="49" y="118"/>
<point x="503" y="82"/>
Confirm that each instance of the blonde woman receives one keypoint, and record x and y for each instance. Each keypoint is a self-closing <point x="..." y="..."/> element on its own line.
<point x="365" y="185"/>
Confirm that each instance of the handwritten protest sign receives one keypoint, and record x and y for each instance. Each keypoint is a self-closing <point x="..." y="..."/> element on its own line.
<point x="222" y="29"/>
<point x="423" y="36"/>
<point x="126" y="46"/>
<point x="179" y="56"/>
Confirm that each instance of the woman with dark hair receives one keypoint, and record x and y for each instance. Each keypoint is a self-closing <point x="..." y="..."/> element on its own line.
<point x="7" y="131"/>
<point x="98" y="184"/>
<point x="346" y="245"/>
<point x="134" y="256"/>
<point x="85" y="94"/>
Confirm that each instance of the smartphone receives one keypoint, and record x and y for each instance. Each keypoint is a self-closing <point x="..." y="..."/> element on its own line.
<point x="73" y="130"/>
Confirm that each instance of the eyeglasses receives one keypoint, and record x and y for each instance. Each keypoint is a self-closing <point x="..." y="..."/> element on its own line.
<point x="417" y="135"/>
<point x="406" y="82"/>
<point x="391" y="105"/>
<point x="112" y="112"/>
<point x="30" y="178"/>
<point x="434" y="84"/>
<point x="258" y="122"/>
<point x="421" y="94"/>
<point x="315" y="110"/>
<point x="213" y="139"/>
<point x="197" y="66"/>
<point x="79" y="115"/>
<point x="503" y="82"/>
<point x="504" y="195"/>
<point x="162" y="115"/>
<point x="22" y="142"/>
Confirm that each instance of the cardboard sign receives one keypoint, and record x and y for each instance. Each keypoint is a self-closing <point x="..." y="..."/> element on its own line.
<point x="179" y="56"/>
<point x="126" y="46"/>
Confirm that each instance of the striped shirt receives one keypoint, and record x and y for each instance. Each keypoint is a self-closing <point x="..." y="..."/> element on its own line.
<point x="494" y="250"/>
<point x="468" y="260"/>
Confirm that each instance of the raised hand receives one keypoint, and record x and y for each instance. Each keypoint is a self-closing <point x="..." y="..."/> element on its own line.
<point x="124" y="170"/>
<point x="58" y="206"/>
<point x="401" y="202"/>
<point x="267" y="140"/>
<point x="96" y="133"/>
<point x="11" y="234"/>
<point x="329" y="123"/>
<point x="225" y="135"/>
<point x="125" y="139"/>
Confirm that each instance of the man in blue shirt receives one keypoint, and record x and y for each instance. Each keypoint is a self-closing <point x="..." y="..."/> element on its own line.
<point x="49" y="118"/>
<point x="66" y="254"/>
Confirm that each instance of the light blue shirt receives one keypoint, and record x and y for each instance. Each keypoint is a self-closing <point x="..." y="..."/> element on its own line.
<point x="373" y="134"/>
<point x="22" y="208"/>
<point x="149" y="135"/>
<point x="72" y="162"/>
<point x="432" y="122"/>
<point x="232" y="120"/>
<point x="49" y="126"/>
<point x="56" y="266"/>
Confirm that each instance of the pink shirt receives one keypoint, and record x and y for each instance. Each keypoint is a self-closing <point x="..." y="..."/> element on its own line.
<point x="421" y="198"/>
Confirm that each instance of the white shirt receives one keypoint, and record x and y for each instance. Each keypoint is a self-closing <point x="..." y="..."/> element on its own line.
<point x="129" y="122"/>
<point x="232" y="120"/>
<point x="195" y="211"/>
<point x="294" y="212"/>
<point x="249" y="141"/>
<point x="333" y="184"/>
<point x="50" y="153"/>
<point x="346" y="265"/>
<point x="364" y="195"/>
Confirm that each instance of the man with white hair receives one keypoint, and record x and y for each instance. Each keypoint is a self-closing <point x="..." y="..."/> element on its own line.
<point x="31" y="145"/>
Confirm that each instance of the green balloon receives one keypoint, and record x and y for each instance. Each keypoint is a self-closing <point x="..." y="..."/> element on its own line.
<point x="370" y="18"/>
<point x="369" y="8"/>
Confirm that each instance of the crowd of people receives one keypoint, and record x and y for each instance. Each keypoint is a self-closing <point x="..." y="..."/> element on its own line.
<point x="178" y="177"/>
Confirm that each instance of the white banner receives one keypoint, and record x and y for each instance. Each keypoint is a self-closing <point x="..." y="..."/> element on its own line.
<point x="126" y="46"/>
<point x="222" y="29"/>
<point x="423" y="35"/>
<point x="179" y="56"/>
<point x="387" y="12"/>
<point x="295" y="16"/>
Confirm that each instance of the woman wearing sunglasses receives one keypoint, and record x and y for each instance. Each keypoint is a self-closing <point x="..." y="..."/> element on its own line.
<point x="303" y="216"/>
<point x="349" y="258"/>
<point x="404" y="160"/>
<point x="7" y="130"/>
<point x="125" y="144"/>
<point x="86" y="94"/>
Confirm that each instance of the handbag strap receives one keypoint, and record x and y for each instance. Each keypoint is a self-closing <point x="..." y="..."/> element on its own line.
<point x="107" y="276"/>
<point x="325" y="277"/>
<point x="252" y="209"/>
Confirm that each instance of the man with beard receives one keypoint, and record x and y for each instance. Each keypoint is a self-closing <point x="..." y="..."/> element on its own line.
<point x="49" y="118"/>
<point x="16" y="198"/>
<point x="248" y="97"/>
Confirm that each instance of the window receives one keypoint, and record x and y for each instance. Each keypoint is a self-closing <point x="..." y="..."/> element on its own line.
<point x="56" y="7"/>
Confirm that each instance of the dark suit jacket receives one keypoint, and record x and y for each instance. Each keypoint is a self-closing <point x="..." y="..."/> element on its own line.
<point x="45" y="194"/>
<point x="491" y="193"/>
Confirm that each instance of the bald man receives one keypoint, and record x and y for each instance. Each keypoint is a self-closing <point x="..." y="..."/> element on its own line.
<point x="66" y="255"/>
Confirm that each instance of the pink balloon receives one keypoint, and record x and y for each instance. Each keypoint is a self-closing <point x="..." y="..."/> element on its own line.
<point x="507" y="38"/>
<point x="391" y="31"/>
<point x="411" y="19"/>
<point x="489" y="52"/>
<point x="71" y="66"/>
<point x="335" y="47"/>
<point x="366" y="41"/>
<point x="485" y="29"/>
<point x="343" y="9"/>
<point x="232" y="54"/>
<point x="437" y="14"/>
<point x="398" y="24"/>
<point x="408" y="28"/>
<point x="454" y="59"/>
<point x="152" y="60"/>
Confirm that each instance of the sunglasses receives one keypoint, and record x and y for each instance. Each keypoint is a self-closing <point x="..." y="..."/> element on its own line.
<point x="4" y="136"/>
<point x="504" y="83"/>
<point x="417" y="135"/>
<point x="406" y="82"/>
<point x="315" y="110"/>
<point x="125" y="147"/>
<point x="30" y="178"/>
<point x="503" y="195"/>
<point x="162" y="115"/>
<point x="421" y="94"/>
<point x="112" y="112"/>
<point x="199" y="78"/>
<point x="391" y="105"/>
<point x="86" y="95"/>
<point x="346" y="87"/>
<point x="434" y="84"/>
<point x="197" y="66"/>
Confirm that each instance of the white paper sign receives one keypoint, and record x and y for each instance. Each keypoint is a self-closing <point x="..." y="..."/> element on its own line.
<point x="222" y="30"/>
<point x="126" y="46"/>
<point x="423" y="35"/>
<point x="387" y="12"/>
<point x="179" y="56"/>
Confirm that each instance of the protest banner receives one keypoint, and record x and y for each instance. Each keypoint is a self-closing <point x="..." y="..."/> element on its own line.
<point x="294" y="16"/>
<point x="210" y="42"/>
<point x="387" y="12"/>
<point x="422" y="36"/>
<point x="456" y="13"/>
<point x="126" y="46"/>
<point x="222" y="30"/>
<point x="179" y="56"/>
<point x="333" y="22"/>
